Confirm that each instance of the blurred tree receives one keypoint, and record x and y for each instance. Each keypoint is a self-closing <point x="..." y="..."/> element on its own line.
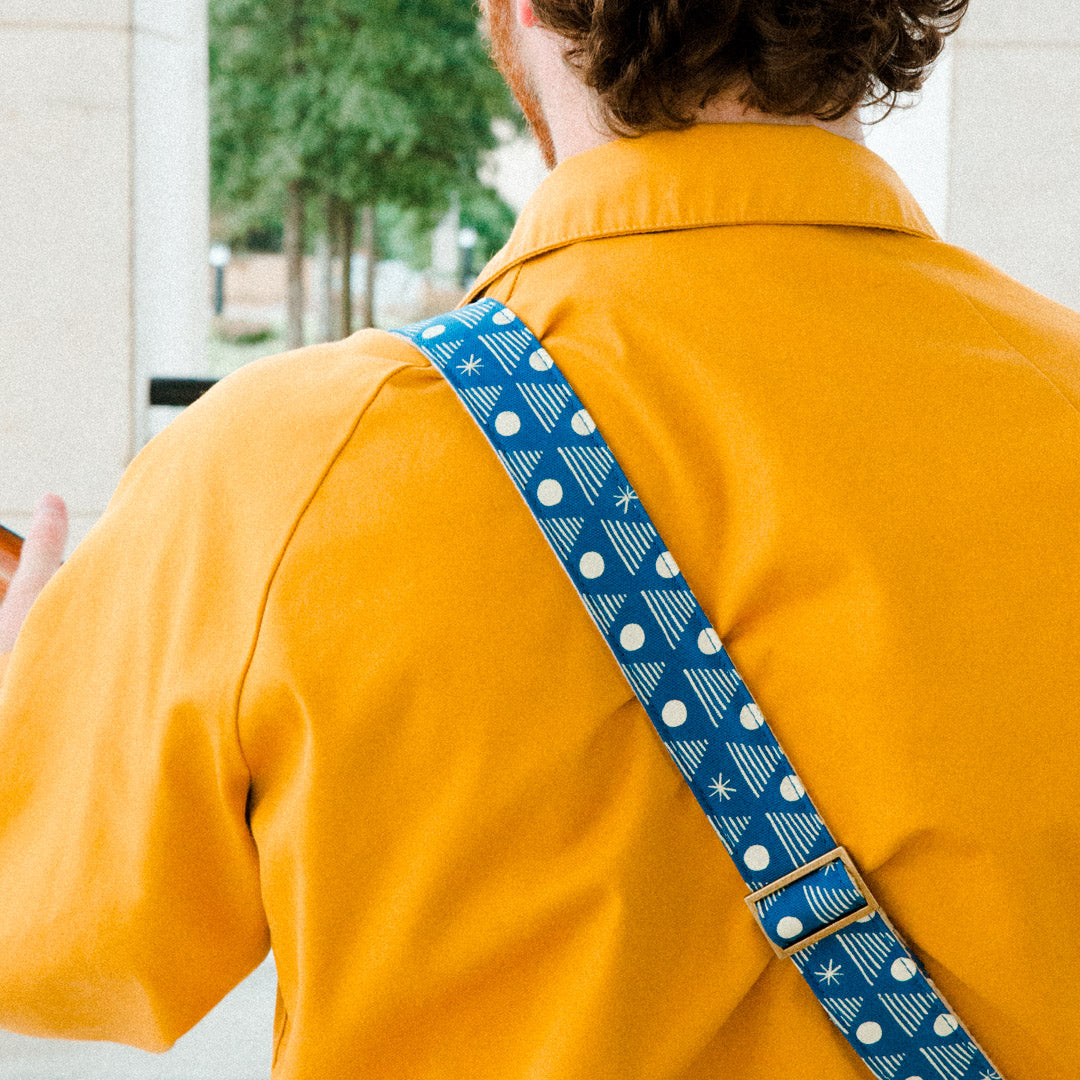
<point x="363" y="103"/>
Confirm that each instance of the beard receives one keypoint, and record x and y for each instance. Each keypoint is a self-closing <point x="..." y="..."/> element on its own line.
<point x="506" y="53"/>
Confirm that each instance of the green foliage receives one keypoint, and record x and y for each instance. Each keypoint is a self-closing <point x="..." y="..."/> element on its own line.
<point x="384" y="102"/>
<point x="405" y="234"/>
<point x="493" y="220"/>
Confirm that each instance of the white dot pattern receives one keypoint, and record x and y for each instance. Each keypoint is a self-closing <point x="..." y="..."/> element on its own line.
<point x="789" y="927"/>
<point x="592" y="564"/>
<point x="582" y="423"/>
<point x="549" y="492"/>
<point x="508" y="423"/>
<point x="666" y="566"/>
<point x="674" y="713"/>
<point x="869" y="1033"/>
<point x="756" y="857"/>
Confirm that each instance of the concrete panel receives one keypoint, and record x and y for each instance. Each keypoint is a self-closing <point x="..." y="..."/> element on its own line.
<point x="1012" y="22"/>
<point x="65" y="303"/>
<point x="167" y="18"/>
<point x="66" y="13"/>
<point x="62" y="70"/>
<point x="915" y="141"/>
<point x="171" y="208"/>
<point x="1015" y="174"/>
<point x="234" y="1042"/>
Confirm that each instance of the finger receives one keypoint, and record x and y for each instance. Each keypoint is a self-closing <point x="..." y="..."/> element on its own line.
<point x="42" y="553"/>
<point x="43" y="548"/>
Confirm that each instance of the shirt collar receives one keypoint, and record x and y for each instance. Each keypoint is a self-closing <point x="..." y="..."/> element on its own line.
<point x="707" y="175"/>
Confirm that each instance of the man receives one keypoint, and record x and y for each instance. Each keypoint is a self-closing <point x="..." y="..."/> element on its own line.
<point x="316" y="679"/>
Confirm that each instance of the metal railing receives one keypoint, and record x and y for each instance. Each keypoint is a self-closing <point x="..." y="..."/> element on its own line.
<point x="169" y="391"/>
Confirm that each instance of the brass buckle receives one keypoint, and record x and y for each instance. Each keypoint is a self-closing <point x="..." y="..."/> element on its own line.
<point x="840" y="853"/>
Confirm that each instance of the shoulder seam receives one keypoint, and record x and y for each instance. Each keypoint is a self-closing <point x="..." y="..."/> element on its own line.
<point x="272" y="576"/>
<point x="977" y="308"/>
<point x="419" y="359"/>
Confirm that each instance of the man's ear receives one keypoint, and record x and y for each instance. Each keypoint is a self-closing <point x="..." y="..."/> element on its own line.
<point x="525" y="14"/>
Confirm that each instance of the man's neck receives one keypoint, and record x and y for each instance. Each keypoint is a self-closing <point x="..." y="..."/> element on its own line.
<point x="575" y="132"/>
<point x="573" y="116"/>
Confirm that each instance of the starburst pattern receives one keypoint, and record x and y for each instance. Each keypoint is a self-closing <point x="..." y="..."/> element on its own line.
<point x="625" y="497"/>
<point x="470" y="366"/>
<point x="721" y="788"/>
<point x="829" y="973"/>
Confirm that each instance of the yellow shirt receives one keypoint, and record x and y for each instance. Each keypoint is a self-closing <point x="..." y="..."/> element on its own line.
<point x="316" y="678"/>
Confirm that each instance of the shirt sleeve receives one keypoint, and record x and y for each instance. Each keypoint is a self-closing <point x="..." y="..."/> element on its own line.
<point x="130" y="893"/>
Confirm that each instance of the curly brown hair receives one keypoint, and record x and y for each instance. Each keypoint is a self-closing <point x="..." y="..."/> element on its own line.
<point x="653" y="62"/>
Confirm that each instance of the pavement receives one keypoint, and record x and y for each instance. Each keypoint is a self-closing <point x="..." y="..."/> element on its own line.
<point x="233" y="1042"/>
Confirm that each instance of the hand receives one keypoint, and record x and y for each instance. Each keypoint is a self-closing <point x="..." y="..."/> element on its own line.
<point x="42" y="553"/>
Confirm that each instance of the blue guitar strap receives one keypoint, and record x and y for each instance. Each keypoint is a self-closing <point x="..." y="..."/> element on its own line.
<point x="805" y="891"/>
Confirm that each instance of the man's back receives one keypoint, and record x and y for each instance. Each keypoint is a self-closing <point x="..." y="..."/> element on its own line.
<point x="474" y="856"/>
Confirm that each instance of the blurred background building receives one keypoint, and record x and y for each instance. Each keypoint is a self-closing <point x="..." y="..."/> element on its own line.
<point x="104" y="276"/>
<point x="103" y="189"/>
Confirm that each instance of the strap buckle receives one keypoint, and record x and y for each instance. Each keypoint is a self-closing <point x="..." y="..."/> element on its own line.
<point x="870" y="903"/>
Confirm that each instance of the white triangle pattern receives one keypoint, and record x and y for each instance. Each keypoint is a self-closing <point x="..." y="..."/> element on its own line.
<point x="733" y="828"/>
<point x="688" y="754"/>
<point x="547" y="401"/>
<point x="714" y="821"/>
<point x="950" y="1062"/>
<point x="797" y="832"/>
<point x="643" y="678"/>
<point x="562" y="533"/>
<point x="829" y="905"/>
<point x="507" y="346"/>
<point x="631" y="540"/>
<point x="482" y="398"/>
<point x="885" y="1067"/>
<point x="590" y="466"/>
<point x="672" y="609"/>
<point x="767" y="902"/>
<point x="604" y="607"/>
<point x="908" y="1010"/>
<point x="521" y="464"/>
<point x="755" y="763"/>
<point x="714" y="689"/>
<point x="868" y="952"/>
<point x="843" y="1010"/>
<point x="471" y="316"/>
<point x="445" y="351"/>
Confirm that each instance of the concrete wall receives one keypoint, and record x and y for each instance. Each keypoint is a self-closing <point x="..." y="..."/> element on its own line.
<point x="103" y="206"/>
<point x="1015" y="172"/>
<point x="992" y="150"/>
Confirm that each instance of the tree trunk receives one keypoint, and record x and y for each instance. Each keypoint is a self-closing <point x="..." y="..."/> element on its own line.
<point x="347" y="235"/>
<point x="324" y="260"/>
<point x="370" y="243"/>
<point x="294" y="263"/>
